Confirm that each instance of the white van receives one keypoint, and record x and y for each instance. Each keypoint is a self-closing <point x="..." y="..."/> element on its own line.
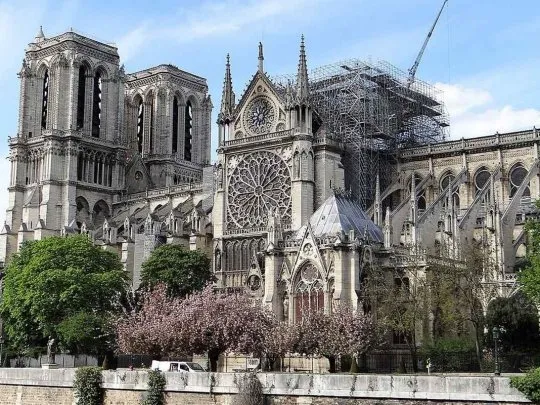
<point x="181" y="366"/>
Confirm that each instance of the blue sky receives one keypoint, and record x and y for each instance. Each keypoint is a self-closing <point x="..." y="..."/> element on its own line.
<point x="483" y="54"/>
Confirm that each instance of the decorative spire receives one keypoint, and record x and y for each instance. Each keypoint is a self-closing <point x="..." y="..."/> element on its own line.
<point x="302" y="87"/>
<point x="261" y="58"/>
<point x="227" y="97"/>
<point x="40" y="36"/>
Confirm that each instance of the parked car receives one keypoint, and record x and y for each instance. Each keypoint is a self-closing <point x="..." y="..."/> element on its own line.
<point x="181" y="366"/>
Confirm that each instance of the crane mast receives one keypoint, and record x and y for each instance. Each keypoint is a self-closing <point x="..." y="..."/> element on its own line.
<point x="412" y="70"/>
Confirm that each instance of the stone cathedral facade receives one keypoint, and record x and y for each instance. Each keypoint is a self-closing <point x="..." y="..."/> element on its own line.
<point x="125" y="158"/>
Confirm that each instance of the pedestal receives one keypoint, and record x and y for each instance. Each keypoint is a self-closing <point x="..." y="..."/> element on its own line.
<point x="51" y="366"/>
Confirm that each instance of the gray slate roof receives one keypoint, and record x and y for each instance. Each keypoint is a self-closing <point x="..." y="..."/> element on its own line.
<point x="338" y="215"/>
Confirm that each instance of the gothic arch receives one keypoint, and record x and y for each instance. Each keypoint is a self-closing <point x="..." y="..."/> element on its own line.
<point x="82" y="60"/>
<point x="102" y="70"/>
<point x="180" y="96"/>
<point x="100" y="212"/>
<point x="516" y="176"/>
<point x="445" y="179"/>
<point x="150" y="94"/>
<point x="308" y="289"/>
<point x="480" y="179"/>
<point x="42" y="68"/>
<point x="83" y="209"/>
<point x="195" y="102"/>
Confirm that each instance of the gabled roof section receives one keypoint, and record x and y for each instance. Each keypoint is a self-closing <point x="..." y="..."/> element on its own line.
<point x="251" y="88"/>
<point x="338" y="215"/>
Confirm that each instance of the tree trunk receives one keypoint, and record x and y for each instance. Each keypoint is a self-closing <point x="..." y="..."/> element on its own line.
<point x="332" y="360"/>
<point x="213" y="356"/>
<point x="354" y="365"/>
<point x="477" y="346"/>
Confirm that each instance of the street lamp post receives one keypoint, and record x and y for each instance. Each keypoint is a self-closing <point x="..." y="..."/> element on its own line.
<point x="496" y="338"/>
<point x="1" y="351"/>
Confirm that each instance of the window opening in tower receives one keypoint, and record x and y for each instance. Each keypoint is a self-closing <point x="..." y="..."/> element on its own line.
<point x="45" y="98"/>
<point x="96" y="110"/>
<point x="140" y="126"/>
<point x="175" y="126"/>
<point x="81" y="95"/>
<point x="189" y="128"/>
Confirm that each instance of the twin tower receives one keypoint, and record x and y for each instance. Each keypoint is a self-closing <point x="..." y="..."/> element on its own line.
<point x="89" y="133"/>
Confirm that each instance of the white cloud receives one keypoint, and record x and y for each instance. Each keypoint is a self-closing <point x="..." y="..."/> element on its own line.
<point x="211" y="20"/>
<point x="474" y="112"/>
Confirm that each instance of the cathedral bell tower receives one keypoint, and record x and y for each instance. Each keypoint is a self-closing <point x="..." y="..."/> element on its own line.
<point x="67" y="157"/>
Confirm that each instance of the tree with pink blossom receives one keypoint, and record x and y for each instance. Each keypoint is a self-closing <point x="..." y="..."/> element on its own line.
<point x="152" y="329"/>
<point x="280" y="339"/>
<point x="342" y="332"/>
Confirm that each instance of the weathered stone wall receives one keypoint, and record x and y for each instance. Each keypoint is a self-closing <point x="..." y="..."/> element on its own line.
<point x="53" y="387"/>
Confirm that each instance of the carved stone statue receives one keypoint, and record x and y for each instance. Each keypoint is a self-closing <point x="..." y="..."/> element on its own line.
<point x="51" y="350"/>
<point x="286" y="307"/>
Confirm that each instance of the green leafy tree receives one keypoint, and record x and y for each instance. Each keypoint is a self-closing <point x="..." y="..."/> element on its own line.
<point x="66" y="288"/>
<point x="529" y="277"/>
<point x="517" y="318"/>
<point x="182" y="271"/>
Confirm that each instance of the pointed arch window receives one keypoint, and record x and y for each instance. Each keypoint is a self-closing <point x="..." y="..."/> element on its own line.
<point x="517" y="175"/>
<point x="81" y="96"/>
<point x="152" y="125"/>
<point x="189" y="129"/>
<point x="140" y="125"/>
<point x="45" y="100"/>
<point x="481" y="178"/>
<point x="96" y="106"/>
<point x="308" y="290"/>
<point x="175" y="125"/>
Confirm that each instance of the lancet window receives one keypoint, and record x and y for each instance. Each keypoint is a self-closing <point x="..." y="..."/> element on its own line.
<point x="81" y="95"/>
<point x="152" y="124"/>
<point x="189" y="129"/>
<point x="175" y="125"/>
<point x="96" y="106"/>
<point x="308" y="291"/>
<point x="517" y="176"/>
<point x="45" y="100"/>
<point x="481" y="178"/>
<point x="140" y="125"/>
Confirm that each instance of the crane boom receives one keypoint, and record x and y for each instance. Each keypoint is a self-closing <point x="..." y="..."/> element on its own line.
<point x="412" y="70"/>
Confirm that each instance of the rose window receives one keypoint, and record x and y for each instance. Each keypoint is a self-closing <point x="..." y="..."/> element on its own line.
<point x="259" y="184"/>
<point x="259" y="116"/>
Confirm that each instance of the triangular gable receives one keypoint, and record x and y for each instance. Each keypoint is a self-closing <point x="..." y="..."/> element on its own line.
<point x="284" y="273"/>
<point x="137" y="176"/>
<point x="33" y="197"/>
<point x="309" y="251"/>
<point x="260" y="85"/>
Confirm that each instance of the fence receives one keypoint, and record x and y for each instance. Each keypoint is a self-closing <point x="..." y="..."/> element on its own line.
<point x="63" y="361"/>
<point x="379" y="362"/>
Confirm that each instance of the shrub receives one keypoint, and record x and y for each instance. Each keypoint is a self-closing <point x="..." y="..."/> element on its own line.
<point x="87" y="386"/>
<point x="156" y="388"/>
<point x="451" y="355"/>
<point x="529" y="385"/>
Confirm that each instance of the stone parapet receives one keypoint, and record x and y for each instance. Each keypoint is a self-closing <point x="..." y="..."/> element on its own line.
<point x="416" y="388"/>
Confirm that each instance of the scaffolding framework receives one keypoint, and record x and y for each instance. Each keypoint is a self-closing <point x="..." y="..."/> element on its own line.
<point x="374" y="112"/>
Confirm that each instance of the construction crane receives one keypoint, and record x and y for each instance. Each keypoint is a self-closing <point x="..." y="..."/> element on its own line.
<point x="412" y="70"/>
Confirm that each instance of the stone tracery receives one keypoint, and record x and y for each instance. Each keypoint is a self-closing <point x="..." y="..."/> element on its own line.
<point x="259" y="183"/>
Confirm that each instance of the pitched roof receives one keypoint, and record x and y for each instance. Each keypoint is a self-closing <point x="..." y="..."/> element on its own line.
<point x="338" y="215"/>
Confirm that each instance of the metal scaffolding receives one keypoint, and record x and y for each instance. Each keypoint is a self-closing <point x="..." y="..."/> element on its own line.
<point x="374" y="112"/>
